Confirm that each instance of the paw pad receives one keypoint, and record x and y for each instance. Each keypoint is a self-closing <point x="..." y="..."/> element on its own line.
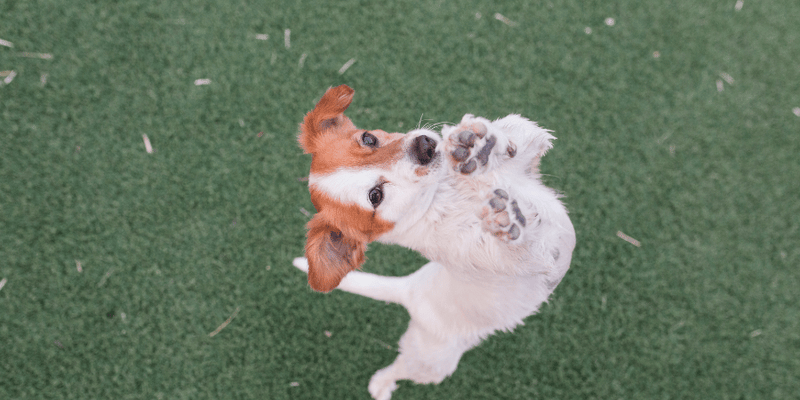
<point x="514" y="232"/>
<point x="498" y="216"/>
<point x="460" y="153"/>
<point x="472" y="147"/>
<point x="469" y="167"/>
<point x="483" y="154"/>
<point x="511" y="150"/>
<point x="467" y="138"/>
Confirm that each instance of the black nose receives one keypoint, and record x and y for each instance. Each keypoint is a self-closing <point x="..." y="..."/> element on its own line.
<point x="423" y="149"/>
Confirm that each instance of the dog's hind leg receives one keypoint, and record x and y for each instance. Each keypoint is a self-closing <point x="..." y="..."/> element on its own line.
<point x="382" y="288"/>
<point x="424" y="358"/>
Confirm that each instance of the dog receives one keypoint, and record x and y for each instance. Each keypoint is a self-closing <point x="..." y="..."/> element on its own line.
<point x="471" y="201"/>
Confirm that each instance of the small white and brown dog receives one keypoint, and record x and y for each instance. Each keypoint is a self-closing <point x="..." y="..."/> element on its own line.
<point x="498" y="240"/>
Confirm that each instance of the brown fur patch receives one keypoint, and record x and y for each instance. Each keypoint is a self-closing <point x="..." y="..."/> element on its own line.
<point x="337" y="239"/>
<point x="334" y="141"/>
<point x="342" y="151"/>
<point x="327" y="114"/>
<point x="330" y="255"/>
<point x="338" y="234"/>
<point x="352" y="220"/>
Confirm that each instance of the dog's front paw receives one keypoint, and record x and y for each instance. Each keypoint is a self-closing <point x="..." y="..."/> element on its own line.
<point x="471" y="147"/>
<point x="301" y="263"/>
<point x="471" y="144"/>
<point x="502" y="217"/>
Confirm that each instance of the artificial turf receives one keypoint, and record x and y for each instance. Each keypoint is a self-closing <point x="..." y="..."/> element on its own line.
<point x="678" y="123"/>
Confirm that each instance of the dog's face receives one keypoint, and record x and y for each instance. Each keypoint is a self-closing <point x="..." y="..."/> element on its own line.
<point x="362" y="183"/>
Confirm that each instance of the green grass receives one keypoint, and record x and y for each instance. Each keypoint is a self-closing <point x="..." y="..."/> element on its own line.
<point x="707" y="308"/>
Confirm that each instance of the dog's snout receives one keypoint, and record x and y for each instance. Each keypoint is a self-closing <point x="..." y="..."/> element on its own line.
<point x="423" y="149"/>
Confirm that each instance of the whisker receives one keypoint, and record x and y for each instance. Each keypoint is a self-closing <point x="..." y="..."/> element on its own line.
<point x="437" y="125"/>
<point x="431" y="126"/>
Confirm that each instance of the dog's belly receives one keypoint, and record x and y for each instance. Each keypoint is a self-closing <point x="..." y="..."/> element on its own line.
<point x="453" y="231"/>
<point x="475" y="305"/>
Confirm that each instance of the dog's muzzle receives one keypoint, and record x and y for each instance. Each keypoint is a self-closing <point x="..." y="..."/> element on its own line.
<point x="423" y="149"/>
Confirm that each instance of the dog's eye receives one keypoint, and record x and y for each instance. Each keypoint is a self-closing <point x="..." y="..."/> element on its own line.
<point x="369" y="140"/>
<point x="376" y="196"/>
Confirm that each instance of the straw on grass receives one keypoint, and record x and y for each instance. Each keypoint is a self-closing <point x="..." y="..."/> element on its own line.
<point x="224" y="324"/>
<point x="629" y="239"/>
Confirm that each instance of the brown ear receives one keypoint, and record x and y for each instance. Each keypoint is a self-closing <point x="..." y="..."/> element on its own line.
<point x="326" y="115"/>
<point x="331" y="255"/>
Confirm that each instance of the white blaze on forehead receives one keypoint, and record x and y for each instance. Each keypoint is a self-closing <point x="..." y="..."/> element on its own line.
<point x="349" y="186"/>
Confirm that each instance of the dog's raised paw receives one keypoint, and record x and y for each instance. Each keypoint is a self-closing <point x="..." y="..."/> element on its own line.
<point x="502" y="217"/>
<point x="471" y="146"/>
<point x="471" y="143"/>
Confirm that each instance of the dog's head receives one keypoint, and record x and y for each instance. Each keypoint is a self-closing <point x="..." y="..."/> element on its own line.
<point x="362" y="182"/>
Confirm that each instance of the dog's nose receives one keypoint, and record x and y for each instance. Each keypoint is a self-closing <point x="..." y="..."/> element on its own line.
<point x="423" y="149"/>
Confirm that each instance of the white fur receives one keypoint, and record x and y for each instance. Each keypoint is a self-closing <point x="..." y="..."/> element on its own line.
<point x="476" y="282"/>
<point x="347" y="185"/>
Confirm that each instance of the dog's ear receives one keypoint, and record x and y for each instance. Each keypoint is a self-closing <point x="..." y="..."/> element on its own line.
<point x="331" y="254"/>
<point x="326" y="116"/>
